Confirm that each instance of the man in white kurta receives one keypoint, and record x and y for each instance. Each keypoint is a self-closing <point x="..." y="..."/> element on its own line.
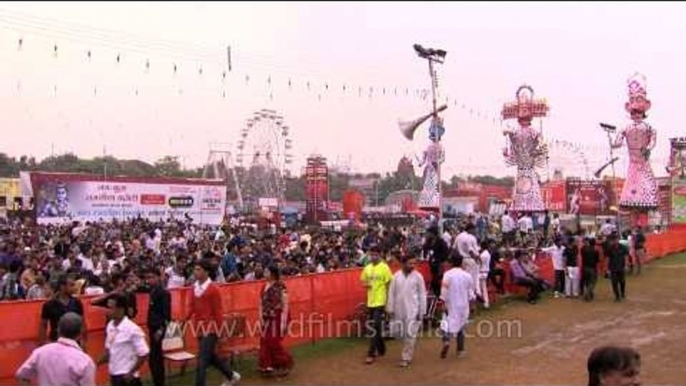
<point x="457" y="291"/>
<point x="406" y="306"/>
<point x="484" y="269"/>
<point x="467" y="246"/>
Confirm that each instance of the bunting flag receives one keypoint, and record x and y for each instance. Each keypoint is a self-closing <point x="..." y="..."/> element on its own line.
<point x="223" y="70"/>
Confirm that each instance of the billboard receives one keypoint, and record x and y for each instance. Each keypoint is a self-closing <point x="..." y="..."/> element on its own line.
<point x="590" y="197"/>
<point x="554" y="196"/>
<point x="61" y="197"/>
<point x="10" y="190"/>
<point x="353" y="202"/>
<point x="679" y="200"/>
<point x="664" y="195"/>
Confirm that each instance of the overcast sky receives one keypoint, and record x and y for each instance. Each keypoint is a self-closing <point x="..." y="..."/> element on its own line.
<point x="577" y="55"/>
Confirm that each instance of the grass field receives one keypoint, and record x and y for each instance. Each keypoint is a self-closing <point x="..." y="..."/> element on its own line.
<point x="546" y="343"/>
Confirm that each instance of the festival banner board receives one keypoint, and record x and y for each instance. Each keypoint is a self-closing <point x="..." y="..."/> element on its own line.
<point x="61" y="197"/>
<point x="590" y="197"/>
<point x="678" y="200"/>
<point x="554" y="196"/>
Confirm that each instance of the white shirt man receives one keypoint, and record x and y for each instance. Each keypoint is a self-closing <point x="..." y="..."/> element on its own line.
<point x="508" y="223"/>
<point x="125" y="343"/>
<point x="150" y="243"/>
<point x="457" y="290"/>
<point x="468" y="247"/>
<point x="556" y="253"/>
<point x="607" y="229"/>
<point x="407" y="305"/>
<point x="86" y="262"/>
<point x="177" y="242"/>
<point x="466" y="244"/>
<point x="555" y="224"/>
<point x="526" y="224"/>
<point x="484" y="269"/>
<point x="174" y="279"/>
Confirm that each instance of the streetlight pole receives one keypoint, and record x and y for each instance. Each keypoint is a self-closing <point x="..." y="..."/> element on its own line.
<point x="610" y="129"/>
<point x="438" y="56"/>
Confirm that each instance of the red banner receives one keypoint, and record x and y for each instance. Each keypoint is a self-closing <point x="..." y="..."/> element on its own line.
<point x="555" y="196"/>
<point x="590" y="198"/>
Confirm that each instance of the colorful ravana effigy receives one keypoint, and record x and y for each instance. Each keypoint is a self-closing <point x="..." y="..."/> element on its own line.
<point x="526" y="150"/>
<point x="432" y="158"/>
<point x="640" y="188"/>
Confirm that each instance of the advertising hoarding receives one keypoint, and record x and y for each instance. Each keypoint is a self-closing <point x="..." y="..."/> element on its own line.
<point x="61" y="197"/>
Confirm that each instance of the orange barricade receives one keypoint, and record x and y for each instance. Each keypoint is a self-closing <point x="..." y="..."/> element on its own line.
<point x="317" y="303"/>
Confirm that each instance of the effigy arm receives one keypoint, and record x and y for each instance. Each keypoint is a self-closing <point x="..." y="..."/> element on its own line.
<point x="652" y="141"/>
<point x="618" y="141"/>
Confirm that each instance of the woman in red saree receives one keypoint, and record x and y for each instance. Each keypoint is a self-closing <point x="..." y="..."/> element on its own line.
<point x="273" y="357"/>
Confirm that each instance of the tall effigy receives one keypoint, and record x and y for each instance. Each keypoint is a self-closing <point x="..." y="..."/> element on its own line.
<point x="432" y="158"/>
<point x="434" y="155"/>
<point x="525" y="149"/>
<point x="640" y="191"/>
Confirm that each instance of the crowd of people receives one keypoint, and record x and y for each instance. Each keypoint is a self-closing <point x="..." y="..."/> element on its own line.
<point x="102" y="255"/>
<point x="462" y="265"/>
<point x="114" y="260"/>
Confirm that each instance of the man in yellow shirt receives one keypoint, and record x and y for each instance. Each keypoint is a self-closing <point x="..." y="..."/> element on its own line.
<point x="376" y="277"/>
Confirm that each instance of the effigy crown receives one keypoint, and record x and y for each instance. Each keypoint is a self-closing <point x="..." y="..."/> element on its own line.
<point x="638" y="94"/>
<point x="637" y="85"/>
<point x="525" y="106"/>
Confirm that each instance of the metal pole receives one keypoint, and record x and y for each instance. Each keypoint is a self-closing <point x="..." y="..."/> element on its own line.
<point x="437" y="140"/>
<point x="433" y="85"/>
<point x="614" y="184"/>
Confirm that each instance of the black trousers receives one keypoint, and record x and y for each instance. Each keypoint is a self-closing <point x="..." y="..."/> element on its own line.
<point x="156" y="357"/>
<point x="560" y="281"/>
<point x="207" y="356"/>
<point x="118" y="380"/>
<point x="436" y="277"/>
<point x="497" y="277"/>
<point x="534" y="286"/>
<point x="590" y="277"/>
<point x="618" y="284"/>
<point x="460" y="340"/>
<point x="377" y="346"/>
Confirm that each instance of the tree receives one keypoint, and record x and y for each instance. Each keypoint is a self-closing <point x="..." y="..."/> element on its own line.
<point x="295" y="188"/>
<point x="168" y="166"/>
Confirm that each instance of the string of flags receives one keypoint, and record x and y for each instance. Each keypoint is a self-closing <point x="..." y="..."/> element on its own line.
<point x="321" y="89"/>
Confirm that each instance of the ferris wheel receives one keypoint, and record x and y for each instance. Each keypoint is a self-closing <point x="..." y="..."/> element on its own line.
<point x="264" y="155"/>
<point x="565" y="159"/>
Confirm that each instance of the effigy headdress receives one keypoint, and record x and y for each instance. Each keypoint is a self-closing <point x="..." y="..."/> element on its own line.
<point x="525" y="106"/>
<point x="637" y="84"/>
<point x="638" y="93"/>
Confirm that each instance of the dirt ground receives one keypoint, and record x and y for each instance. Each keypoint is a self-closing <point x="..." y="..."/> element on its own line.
<point x="556" y="337"/>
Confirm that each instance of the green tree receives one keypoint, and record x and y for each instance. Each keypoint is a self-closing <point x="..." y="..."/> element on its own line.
<point x="168" y="166"/>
